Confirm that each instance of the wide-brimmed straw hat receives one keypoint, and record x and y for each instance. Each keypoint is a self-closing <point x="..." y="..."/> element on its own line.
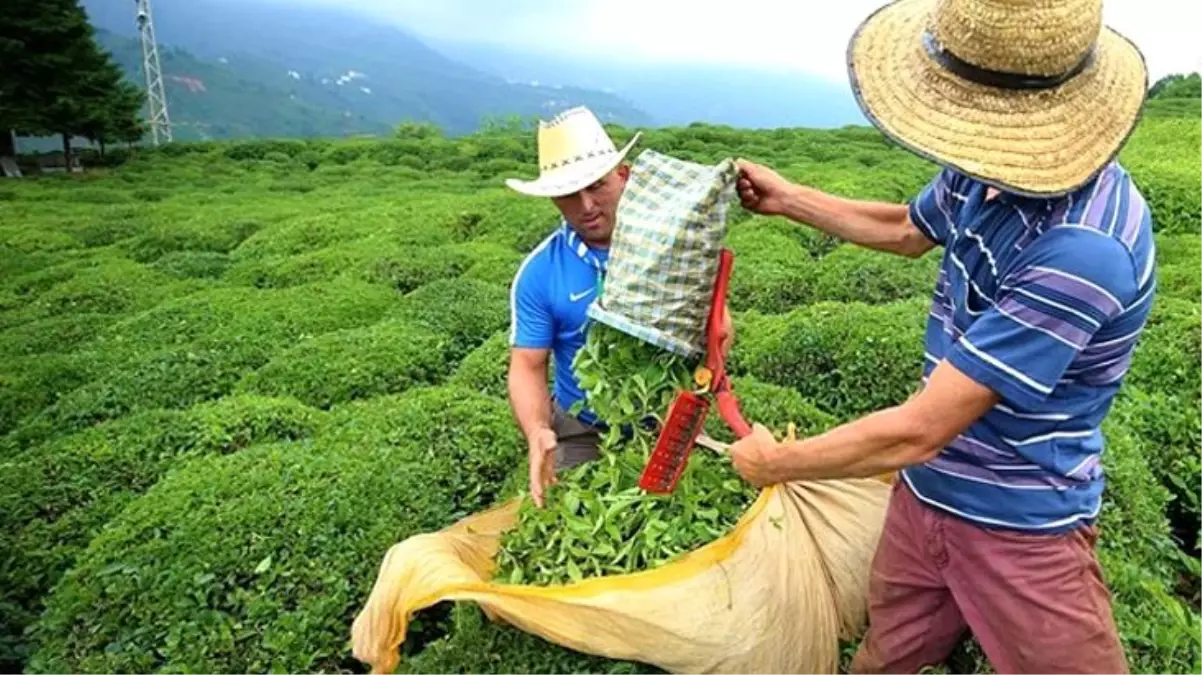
<point x="574" y="151"/>
<point x="1034" y="97"/>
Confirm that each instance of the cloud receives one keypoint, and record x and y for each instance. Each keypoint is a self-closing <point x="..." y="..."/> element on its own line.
<point x="785" y="34"/>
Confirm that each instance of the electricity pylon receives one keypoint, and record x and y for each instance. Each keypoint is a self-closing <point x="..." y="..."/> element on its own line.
<point x="156" y="97"/>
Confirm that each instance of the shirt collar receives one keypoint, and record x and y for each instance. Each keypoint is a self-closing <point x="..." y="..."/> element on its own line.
<point x="581" y="248"/>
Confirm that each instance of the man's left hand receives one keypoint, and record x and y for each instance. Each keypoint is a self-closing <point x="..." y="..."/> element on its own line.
<point x="755" y="457"/>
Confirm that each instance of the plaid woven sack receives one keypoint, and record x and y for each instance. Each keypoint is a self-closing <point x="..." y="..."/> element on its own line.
<point x="663" y="259"/>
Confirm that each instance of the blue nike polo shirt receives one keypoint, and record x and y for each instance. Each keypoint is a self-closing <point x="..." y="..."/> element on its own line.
<point x="549" y="302"/>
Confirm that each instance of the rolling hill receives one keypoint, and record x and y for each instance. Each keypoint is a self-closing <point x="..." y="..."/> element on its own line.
<point x="345" y="72"/>
<point x="212" y="99"/>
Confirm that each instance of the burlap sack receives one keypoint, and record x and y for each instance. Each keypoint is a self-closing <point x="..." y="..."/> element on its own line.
<point x="671" y="223"/>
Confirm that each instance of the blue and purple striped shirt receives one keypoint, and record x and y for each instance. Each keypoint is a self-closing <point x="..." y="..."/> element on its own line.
<point x="1042" y="300"/>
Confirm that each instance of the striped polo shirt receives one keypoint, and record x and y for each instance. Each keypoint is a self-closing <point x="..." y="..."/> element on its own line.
<point x="1041" y="300"/>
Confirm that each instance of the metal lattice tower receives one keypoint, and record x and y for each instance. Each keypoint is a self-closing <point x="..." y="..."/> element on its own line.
<point x="156" y="97"/>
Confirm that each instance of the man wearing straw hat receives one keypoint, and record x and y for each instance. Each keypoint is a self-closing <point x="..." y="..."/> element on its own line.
<point x="584" y="174"/>
<point x="1047" y="278"/>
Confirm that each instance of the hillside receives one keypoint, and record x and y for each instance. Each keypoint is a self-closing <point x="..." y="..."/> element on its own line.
<point x="680" y="94"/>
<point x="237" y="373"/>
<point x="336" y="63"/>
<point x="211" y="99"/>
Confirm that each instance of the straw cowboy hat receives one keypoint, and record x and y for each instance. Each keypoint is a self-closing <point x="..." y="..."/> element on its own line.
<point x="573" y="152"/>
<point x="1033" y="97"/>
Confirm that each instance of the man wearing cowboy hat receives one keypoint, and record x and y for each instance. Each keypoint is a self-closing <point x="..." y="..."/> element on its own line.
<point x="584" y="174"/>
<point x="1047" y="278"/>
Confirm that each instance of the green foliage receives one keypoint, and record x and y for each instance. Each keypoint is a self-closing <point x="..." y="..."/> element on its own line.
<point x="462" y="312"/>
<point x="777" y="270"/>
<point x="853" y="274"/>
<point x="1169" y="423"/>
<point x="193" y="264"/>
<point x="1140" y="561"/>
<point x="848" y="358"/>
<point x="1177" y="85"/>
<point x="772" y="272"/>
<point x="193" y="235"/>
<point x="31" y="383"/>
<point x="486" y="368"/>
<point x="191" y="350"/>
<point x="102" y="286"/>
<point x="384" y="358"/>
<point x="1168" y="357"/>
<point x="57" y="496"/>
<point x="597" y="521"/>
<point x="258" y="560"/>
<point x="773" y="406"/>
<point x="1179" y="259"/>
<point x="134" y="298"/>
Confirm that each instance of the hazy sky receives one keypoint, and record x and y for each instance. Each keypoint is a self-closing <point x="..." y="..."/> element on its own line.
<point x="807" y="35"/>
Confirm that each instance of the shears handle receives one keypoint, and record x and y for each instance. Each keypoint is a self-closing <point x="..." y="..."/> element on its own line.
<point x="728" y="405"/>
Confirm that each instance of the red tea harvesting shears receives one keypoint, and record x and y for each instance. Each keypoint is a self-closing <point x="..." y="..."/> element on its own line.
<point x="686" y="416"/>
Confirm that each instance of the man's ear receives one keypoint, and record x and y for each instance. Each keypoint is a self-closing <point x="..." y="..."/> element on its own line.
<point x="624" y="171"/>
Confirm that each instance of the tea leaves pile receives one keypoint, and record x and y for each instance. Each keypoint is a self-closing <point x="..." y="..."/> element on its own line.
<point x="597" y="521"/>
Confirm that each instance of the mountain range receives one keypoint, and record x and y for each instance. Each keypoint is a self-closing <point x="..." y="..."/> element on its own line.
<point x="238" y="68"/>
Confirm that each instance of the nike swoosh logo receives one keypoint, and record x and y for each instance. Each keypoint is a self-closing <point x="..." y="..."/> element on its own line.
<point x="577" y="296"/>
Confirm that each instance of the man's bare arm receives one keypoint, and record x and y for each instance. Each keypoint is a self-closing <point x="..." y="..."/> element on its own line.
<point x="882" y="442"/>
<point x="875" y="225"/>
<point x="528" y="394"/>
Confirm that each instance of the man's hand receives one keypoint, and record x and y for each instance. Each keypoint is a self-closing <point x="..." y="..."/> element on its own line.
<point x="542" y="463"/>
<point x="761" y="189"/>
<point x="754" y="457"/>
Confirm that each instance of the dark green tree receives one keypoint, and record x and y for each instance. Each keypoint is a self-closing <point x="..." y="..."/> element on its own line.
<point x="114" y="115"/>
<point x="56" y="79"/>
<point x="36" y="41"/>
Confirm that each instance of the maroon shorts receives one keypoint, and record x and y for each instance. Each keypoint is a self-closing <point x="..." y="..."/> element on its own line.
<point x="1036" y="603"/>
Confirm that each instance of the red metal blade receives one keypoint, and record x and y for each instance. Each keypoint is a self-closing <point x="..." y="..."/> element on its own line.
<point x="686" y="418"/>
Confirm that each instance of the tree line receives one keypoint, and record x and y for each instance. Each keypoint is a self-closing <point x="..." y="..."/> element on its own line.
<point x="1177" y="85"/>
<point x="56" y="80"/>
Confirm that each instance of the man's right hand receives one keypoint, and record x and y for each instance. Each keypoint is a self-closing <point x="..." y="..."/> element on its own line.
<point x="761" y="189"/>
<point x="542" y="445"/>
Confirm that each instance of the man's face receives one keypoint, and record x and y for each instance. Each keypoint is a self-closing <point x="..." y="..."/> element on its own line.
<point x="593" y="211"/>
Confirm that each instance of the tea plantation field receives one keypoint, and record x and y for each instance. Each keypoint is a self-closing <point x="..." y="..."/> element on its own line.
<point x="235" y="374"/>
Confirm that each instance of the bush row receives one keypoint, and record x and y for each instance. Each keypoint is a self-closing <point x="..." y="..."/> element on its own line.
<point x="428" y="333"/>
<point x="775" y="273"/>
<point x="179" y="353"/>
<point x="57" y="496"/>
<point x="848" y="358"/>
<point x="259" y="560"/>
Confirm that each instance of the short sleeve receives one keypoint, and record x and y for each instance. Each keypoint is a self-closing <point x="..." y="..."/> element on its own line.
<point x="1067" y="286"/>
<point x="531" y="324"/>
<point x="933" y="209"/>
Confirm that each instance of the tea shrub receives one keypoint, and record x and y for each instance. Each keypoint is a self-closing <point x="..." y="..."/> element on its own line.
<point x="259" y="560"/>
<point x="848" y="358"/>
<point x="384" y="358"/>
<point x="57" y="496"/>
<point x="246" y="537"/>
